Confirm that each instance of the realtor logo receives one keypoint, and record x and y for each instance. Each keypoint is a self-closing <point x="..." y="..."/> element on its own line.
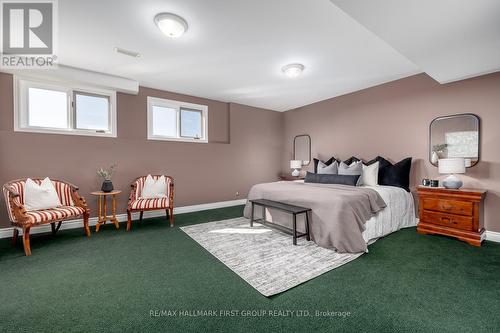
<point x="28" y="31"/>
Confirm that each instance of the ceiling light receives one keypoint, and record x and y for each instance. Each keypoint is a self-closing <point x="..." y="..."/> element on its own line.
<point x="171" y="25"/>
<point x="293" y="70"/>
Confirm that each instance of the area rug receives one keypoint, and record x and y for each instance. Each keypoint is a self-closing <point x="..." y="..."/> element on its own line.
<point x="265" y="257"/>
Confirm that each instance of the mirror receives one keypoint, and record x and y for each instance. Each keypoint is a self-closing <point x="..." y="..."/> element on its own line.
<point x="455" y="136"/>
<point x="302" y="148"/>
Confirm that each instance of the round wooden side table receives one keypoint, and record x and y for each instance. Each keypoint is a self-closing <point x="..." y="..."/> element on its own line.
<point x="102" y="215"/>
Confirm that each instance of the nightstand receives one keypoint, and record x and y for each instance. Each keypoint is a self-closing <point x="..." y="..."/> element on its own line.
<point x="455" y="213"/>
<point x="290" y="178"/>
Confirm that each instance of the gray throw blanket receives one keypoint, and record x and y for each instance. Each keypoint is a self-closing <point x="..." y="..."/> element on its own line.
<point x="339" y="212"/>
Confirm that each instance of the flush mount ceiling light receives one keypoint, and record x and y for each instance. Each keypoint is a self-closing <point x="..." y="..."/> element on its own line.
<point x="293" y="70"/>
<point x="171" y="25"/>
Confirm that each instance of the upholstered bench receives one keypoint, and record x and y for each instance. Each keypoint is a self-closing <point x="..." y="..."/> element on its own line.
<point x="72" y="207"/>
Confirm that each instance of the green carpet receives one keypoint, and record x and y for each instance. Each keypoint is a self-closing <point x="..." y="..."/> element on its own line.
<point x="113" y="280"/>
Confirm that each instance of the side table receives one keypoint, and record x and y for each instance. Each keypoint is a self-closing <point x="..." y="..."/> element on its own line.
<point x="102" y="215"/>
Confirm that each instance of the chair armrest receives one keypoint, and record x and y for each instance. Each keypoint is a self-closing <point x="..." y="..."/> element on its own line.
<point x="78" y="200"/>
<point x="14" y="204"/>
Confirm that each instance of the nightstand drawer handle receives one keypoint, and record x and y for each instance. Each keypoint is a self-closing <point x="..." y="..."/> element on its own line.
<point x="447" y="220"/>
<point x="446" y="206"/>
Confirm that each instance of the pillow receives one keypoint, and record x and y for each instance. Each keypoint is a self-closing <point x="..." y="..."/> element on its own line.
<point x="43" y="196"/>
<point x="331" y="179"/>
<point x="370" y="174"/>
<point x="154" y="188"/>
<point x="351" y="160"/>
<point x="395" y="175"/>
<point x="324" y="169"/>
<point x="354" y="169"/>
<point x="316" y="161"/>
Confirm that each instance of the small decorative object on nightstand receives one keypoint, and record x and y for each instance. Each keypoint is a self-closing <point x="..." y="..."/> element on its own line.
<point x="452" y="212"/>
<point x="296" y="165"/>
<point x="452" y="166"/>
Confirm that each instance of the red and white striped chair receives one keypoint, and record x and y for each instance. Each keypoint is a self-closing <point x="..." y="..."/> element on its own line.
<point x="138" y="204"/>
<point x="73" y="206"/>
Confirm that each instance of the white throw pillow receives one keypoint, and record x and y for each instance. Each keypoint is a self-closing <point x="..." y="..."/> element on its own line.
<point x="154" y="188"/>
<point x="43" y="196"/>
<point x="370" y="174"/>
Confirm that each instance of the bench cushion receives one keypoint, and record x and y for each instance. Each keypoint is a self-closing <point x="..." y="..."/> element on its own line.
<point x="54" y="214"/>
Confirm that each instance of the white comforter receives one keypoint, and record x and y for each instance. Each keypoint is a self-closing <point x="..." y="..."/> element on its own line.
<point x="399" y="213"/>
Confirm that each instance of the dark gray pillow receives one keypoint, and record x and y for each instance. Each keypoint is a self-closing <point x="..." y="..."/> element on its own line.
<point x="331" y="179"/>
<point x="356" y="168"/>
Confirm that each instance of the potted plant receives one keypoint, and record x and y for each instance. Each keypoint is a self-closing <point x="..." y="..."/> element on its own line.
<point x="106" y="175"/>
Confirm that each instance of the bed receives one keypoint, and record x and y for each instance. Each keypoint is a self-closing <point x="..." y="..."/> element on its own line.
<point x="345" y="218"/>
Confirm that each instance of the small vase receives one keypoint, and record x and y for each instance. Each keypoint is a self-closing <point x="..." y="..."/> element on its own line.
<point x="434" y="158"/>
<point x="107" y="186"/>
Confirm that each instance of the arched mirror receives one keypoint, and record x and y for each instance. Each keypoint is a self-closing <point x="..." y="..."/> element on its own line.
<point x="302" y="148"/>
<point x="455" y="136"/>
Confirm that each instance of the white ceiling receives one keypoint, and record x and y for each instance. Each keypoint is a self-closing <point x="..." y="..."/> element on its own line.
<point x="448" y="39"/>
<point x="233" y="50"/>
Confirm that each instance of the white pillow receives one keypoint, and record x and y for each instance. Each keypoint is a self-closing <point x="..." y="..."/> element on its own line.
<point x="43" y="196"/>
<point x="154" y="188"/>
<point x="370" y="174"/>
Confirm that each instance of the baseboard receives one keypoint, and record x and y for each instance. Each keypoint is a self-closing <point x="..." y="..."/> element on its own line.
<point x="73" y="224"/>
<point x="493" y="236"/>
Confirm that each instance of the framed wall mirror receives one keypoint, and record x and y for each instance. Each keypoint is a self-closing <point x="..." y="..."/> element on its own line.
<point x="455" y="136"/>
<point x="302" y="148"/>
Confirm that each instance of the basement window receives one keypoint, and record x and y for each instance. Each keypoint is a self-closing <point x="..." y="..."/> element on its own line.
<point x="177" y="121"/>
<point x="60" y="108"/>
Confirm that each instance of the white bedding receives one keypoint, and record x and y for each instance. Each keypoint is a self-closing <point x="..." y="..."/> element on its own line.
<point x="399" y="213"/>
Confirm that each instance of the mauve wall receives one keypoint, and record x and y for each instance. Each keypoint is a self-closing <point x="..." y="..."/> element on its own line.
<point x="244" y="148"/>
<point x="393" y="120"/>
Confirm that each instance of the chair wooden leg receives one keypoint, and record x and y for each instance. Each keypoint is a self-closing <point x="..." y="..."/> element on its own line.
<point x="140" y="216"/>
<point x="14" y="236"/>
<point x="86" y="224"/>
<point x="129" y="219"/>
<point x="171" y="216"/>
<point x="26" y="241"/>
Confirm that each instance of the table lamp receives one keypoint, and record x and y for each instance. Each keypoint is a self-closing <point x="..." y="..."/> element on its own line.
<point x="452" y="166"/>
<point x="295" y="165"/>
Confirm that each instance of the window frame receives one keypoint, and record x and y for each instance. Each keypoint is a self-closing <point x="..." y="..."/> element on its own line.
<point x="177" y="106"/>
<point x="21" y="107"/>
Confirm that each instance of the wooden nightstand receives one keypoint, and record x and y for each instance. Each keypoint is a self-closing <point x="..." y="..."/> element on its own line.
<point x="455" y="213"/>
<point x="290" y="177"/>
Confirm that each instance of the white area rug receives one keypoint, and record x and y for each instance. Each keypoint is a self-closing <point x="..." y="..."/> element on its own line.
<point x="265" y="257"/>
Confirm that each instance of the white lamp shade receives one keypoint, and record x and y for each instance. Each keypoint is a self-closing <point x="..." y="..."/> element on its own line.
<point x="295" y="164"/>
<point x="451" y="165"/>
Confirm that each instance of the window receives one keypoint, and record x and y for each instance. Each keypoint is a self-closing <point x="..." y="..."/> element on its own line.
<point x="177" y="121"/>
<point x="63" y="109"/>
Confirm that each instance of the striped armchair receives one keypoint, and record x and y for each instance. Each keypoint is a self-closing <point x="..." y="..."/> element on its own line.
<point x="73" y="206"/>
<point x="138" y="204"/>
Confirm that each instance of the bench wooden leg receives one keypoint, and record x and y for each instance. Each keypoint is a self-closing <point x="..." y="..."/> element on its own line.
<point x="55" y="228"/>
<point x="140" y="216"/>
<point x="26" y="241"/>
<point x="308" y="235"/>
<point x="14" y="236"/>
<point x="294" y="229"/>
<point x="251" y="215"/>
<point x="86" y="224"/>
